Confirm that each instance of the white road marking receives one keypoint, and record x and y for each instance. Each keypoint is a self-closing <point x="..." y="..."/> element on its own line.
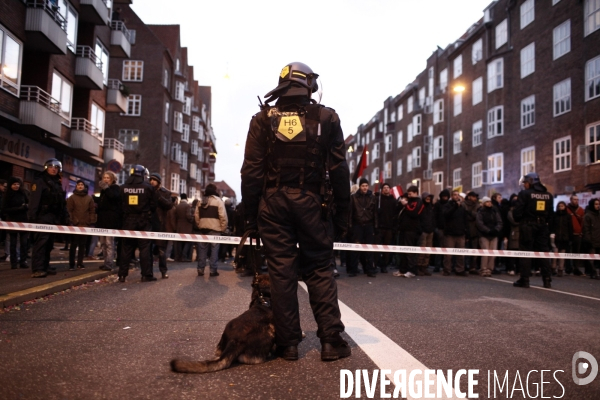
<point x="550" y="290"/>
<point x="384" y="352"/>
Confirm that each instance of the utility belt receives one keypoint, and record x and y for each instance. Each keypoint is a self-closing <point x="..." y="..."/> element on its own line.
<point x="311" y="187"/>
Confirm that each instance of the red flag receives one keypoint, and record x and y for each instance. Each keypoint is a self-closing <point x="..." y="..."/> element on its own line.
<point x="362" y="164"/>
<point x="397" y="191"/>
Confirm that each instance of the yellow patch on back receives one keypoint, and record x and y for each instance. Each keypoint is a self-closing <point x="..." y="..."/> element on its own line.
<point x="290" y="126"/>
<point x="540" y="206"/>
<point x="133" y="200"/>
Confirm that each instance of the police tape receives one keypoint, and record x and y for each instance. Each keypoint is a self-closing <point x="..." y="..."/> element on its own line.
<point x="76" y="230"/>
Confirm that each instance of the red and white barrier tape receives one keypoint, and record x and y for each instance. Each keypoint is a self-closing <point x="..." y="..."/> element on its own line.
<point x="20" y="226"/>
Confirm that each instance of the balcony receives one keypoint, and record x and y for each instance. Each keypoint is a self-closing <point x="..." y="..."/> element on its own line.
<point x="212" y="158"/>
<point x="39" y="109"/>
<point x="206" y="145"/>
<point x="120" y="40"/>
<point x="114" y="150"/>
<point x="211" y="177"/>
<point x="88" y="69"/>
<point x="205" y="167"/>
<point x="45" y="28"/>
<point x="94" y="12"/>
<point x="115" y="100"/>
<point x="85" y="136"/>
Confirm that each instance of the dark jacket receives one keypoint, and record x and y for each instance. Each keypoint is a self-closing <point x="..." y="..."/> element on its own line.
<point x="591" y="226"/>
<point x="184" y="217"/>
<point x="363" y="209"/>
<point x="488" y="219"/>
<point x="162" y="197"/>
<point x="438" y="209"/>
<point x="47" y="197"/>
<point x="15" y="204"/>
<point x="562" y="226"/>
<point x="110" y="211"/>
<point x="472" y="207"/>
<point x="409" y="218"/>
<point x="137" y="198"/>
<point x="387" y="212"/>
<point x="427" y="219"/>
<point x="81" y="208"/>
<point x="455" y="219"/>
<point x="513" y="238"/>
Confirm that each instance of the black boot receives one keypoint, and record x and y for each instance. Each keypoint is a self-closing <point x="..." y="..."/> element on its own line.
<point x="334" y="348"/>
<point x="547" y="281"/>
<point x="523" y="282"/>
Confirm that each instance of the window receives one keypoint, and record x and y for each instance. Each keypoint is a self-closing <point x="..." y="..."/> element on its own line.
<point x="130" y="138"/>
<point x="166" y="78"/>
<point x="457" y="103"/>
<point x="177" y="65"/>
<point x="592" y="78"/>
<point x="196" y="124"/>
<point x="417" y="125"/>
<point x="444" y="79"/>
<point x="165" y="147"/>
<point x="528" y="60"/>
<point x="410" y="104"/>
<point x="175" y="181"/>
<point x="477" y="90"/>
<point x="102" y="56"/>
<point x="62" y="90"/>
<point x="527" y="13"/>
<point x="528" y="112"/>
<point x="496" y="168"/>
<point x="184" y="161"/>
<point x="97" y="119"/>
<point x="375" y="175"/>
<point x="70" y="15"/>
<point x="133" y="71"/>
<point x="387" y="173"/>
<point x="178" y="121"/>
<point x="10" y="61"/>
<point x="167" y="112"/>
<point x="562" y="154"/>
<point x="495" y="75"/>
<point x="388" y="143"/>
<point x="176" y="152"/>
<point x="477" y="51"/>
<point x="457" y="142"/>
<point x="187" y="105"/>
<point x="593" y="142"/>
<point x="456" y="178"/>
<point x="399" y="139"/>
<point x="457" y="66"/>
<point x="185" y="137"/>
<point x="179" y="88"/>
<point x="477" y="129"/>
<point x="591" y="16"/>
<point x="192" y="189"/>
<point x="501" y="33"/>
<point x="409" y="163"/>
<point x="393" y="117"/>
<point x="527" y="160"/>
<point x="438" y="178"/>
<point x="134" y="105"/>
<point x="562" y="97"/>
<point x="438" y="148"/>
<point x="416" y="156"/>
<point x="438" y="111"/>
<point x="124" y="174"/>
<point x="495" y="119"/>
<point x="421" y="97"/>
<point x="561" y="39"/>
<point x="373" y="133"/>
<point x="476" y="175"/>
<point x="399" y="167"/>
<point x="400" y="112"/>
<point x="409" y="133"/>
<point x="375" y="152"/>
<point x="351" y="166"/>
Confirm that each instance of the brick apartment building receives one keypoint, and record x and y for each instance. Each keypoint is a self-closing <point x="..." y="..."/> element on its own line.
<point x="166" y="125"/>
<point x="66" y="76"/>
<point x="518" y="92"/>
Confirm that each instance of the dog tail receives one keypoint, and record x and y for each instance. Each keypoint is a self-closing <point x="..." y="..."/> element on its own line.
<point x="201" y="367"/>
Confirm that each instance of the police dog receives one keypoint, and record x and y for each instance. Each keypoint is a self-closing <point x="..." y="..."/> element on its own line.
<point x="248" y="338"/>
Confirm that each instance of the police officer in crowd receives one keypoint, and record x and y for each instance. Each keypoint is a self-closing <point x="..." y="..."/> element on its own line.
<point x="294" y="154"/>
<point x="534" y="211"/>
<point x="47" y="205"/>
<point x="139" y="203"/>
<point x="162" y="197"/>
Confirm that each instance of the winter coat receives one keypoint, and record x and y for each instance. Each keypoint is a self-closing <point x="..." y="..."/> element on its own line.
<point x="409" y="218"/>
<point x="110" y="209"/>
<point x="81" y="208"/>
<point x="163" y="205"/>
<point x="472" y="207"/>
<point x="591" y="226"/>
<point x="363" y="209"/>
<point x="15" y="204"/>
<point x="488" y="219"/>
<point x="387" y="212"/>
<point x="171" y="223"/>
<point x="576" y="214"/>
<point x="438" y="209"/>
<point x="455" y="219"/>
<point x="184" y="217"/>
<point x="513" y="238"/>
<point x="210" y="215"/>
<point x="427" y="219"/>
<point x="562" y="227"/>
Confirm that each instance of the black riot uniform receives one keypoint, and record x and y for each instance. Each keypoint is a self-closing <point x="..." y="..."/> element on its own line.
<point x="138" y="205"/>
<point x="291" y="150"/>
<point x="534" y="211"/>
<point x="47" y="205"/>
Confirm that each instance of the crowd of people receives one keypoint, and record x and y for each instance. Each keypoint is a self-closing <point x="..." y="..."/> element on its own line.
<point x="458" y="220"/>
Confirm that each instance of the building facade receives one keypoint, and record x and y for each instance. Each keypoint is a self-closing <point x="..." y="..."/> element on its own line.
<point x="518" y="92"/>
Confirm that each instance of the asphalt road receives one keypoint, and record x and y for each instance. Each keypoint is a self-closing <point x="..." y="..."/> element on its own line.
<point x="114" y="341"/>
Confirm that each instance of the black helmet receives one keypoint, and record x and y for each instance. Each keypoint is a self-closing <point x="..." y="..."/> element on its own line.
<point x="53" y="162"/>
<point x="137" y="170"/>
<point x="295" y="79"/>
<point x="532" y="178"/>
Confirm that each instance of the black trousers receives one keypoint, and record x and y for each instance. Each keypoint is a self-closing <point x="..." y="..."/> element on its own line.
<point x="363" y="234"/>
<point x="288" y="217"/>
<point x="78" y="241"/>
<point x="23" y="237"/>
<point x="387" y="237"/>
<point x="534" y="236"/>
<point x="161" y="245"/>
<point x="408" y="261"/>
<point x="43" y="243"/>
<point x="128" y="246"/>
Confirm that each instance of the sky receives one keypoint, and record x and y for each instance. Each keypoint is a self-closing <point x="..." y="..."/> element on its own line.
<point x="363" y="50"/>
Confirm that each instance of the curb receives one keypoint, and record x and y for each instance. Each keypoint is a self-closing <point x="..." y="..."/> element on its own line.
<point x="21" y="296"/>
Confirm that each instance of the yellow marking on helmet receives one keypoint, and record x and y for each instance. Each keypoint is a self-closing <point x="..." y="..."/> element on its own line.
<point x="285" y="71"/>
<point x="294" y="73"/>
<point x="290" y="126"/>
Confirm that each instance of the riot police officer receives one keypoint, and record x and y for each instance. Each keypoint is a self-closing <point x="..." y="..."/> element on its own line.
<point x="138" y="205"/>
<point x="47" y="205"/>
<point x="294" y="170"/>
<point x="534" y="211"/>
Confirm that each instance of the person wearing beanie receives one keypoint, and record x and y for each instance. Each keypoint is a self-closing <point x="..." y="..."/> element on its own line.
<point x="455" y="229"/>
<point x="162" y="197"/>
<point x="561" y="233"/>
<point x="471" y="205"/>
<point x="409" y="222"/>
<point x="387" y="215"/>
<point x="427" y="222"/>
<point x="211" y="218"/>
<point x="15" y="203"/>
<point x="489" y="223"/>
<point x="82" y="213"/>
<point x="109" y="217"/>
